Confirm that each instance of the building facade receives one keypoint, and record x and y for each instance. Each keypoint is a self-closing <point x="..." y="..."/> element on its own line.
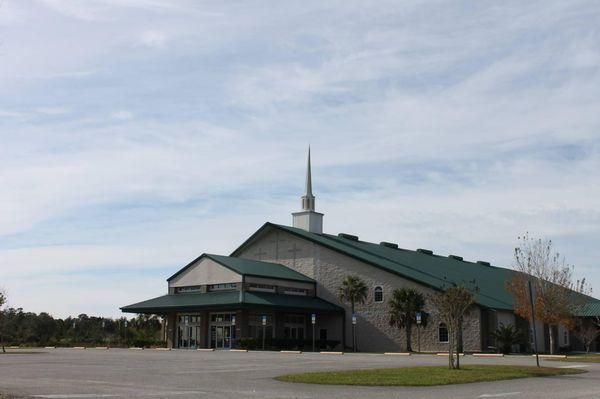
<point x="281" y="285"/>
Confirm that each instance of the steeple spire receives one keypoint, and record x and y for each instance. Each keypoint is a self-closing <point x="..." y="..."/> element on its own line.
<point x="307" y="218"/>
<point x="308" y="199"/>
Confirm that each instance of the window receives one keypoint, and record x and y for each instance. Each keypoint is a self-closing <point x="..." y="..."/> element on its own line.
<point x="378" y="294"/>
<point x="294" y="319"/>
<point x="261" y="287"/>
<point x="295" y="291"/>
<point x="222" y="287"/>
<point x="221" y="317"/>
<point x="323" y="334"/>
<point x="193" y="288"/>
<point x="443" y="333"/>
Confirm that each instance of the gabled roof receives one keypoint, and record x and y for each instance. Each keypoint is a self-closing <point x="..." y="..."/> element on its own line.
<point x="590" y="309"/>
<point x="230" y="300"/>
<point x="437" y="272"/>
<point x="247" y="267"/>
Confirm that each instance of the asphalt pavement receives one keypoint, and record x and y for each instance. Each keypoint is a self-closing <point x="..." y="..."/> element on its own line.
<point x="126" y="373"/>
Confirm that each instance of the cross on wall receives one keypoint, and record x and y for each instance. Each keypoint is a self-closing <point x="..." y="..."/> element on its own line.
<point x="294" y="251"/>
<point x="260" y="253"/>
<point x="274" y="242"/>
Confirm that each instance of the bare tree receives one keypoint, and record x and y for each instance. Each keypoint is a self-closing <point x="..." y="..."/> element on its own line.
<point x="552" y="281"/>
<point x="2" y="302"/>
<point x="587" y="331"/>
<point x="450" y="306"/>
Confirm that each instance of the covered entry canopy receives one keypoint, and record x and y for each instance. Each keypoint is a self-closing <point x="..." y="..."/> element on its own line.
<point x="230" y="300"/>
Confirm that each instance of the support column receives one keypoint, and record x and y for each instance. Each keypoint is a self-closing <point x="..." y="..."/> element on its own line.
<point x="170" y="320"/>
<point x="278" y="324"/>
<point x="204" y="327"/>
<point x="242" y="329"/>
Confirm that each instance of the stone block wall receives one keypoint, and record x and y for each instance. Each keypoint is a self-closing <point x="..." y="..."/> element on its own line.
<point x="329" y="268"/>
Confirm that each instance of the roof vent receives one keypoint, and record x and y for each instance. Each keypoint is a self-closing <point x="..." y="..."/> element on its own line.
<point x="455" y="257"/>
<point x="389" y="244"/>
<point x="482" y="262"/>
<point x="425" y="251"/>
<point x="348" y="236"/>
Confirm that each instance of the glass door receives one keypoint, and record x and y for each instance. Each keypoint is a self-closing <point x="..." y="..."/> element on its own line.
<point x="188" y="331"/>
<point x="221" y="337"/>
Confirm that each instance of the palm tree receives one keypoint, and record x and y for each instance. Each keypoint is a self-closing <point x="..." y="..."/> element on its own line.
<point x="353" y="290"/>
<point x="507" y="336"/>
<point x="404" y="305"/>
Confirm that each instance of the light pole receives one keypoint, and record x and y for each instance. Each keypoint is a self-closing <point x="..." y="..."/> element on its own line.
<point x="103" y="324"/>
<point x="537" y="358"/>
<point x="264" y="326"/>
<point x="232" y="333"/>
<point x="125" y="333"/>
<point x="353" y="332"/>
<point x="418" y="317"/>
<point x="313" y="321"/>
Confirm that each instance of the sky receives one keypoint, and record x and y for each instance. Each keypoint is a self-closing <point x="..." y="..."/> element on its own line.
<point x="137" y="134"/>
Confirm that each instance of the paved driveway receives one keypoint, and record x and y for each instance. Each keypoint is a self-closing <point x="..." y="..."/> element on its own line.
<point x="90" y="373"/>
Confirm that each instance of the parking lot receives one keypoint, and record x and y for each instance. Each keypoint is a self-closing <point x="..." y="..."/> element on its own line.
<point x="123" y="373"/>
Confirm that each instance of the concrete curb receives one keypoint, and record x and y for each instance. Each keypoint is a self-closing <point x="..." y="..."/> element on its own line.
<point x="205" y="350"/>
<point x="331" y="353"/>
<point x="446" y="354"/>
<point x="397" y="353"/>
<point x="552" y="356"/>
<point x="488" y="354"/>
<point x="238" y="350"/>
<point x="13" y="347"/>
<point x="291" y="352"/>
<point x="79" y="347"/>
<point x="136" y="348"/>
<point x="49" y="347"/>
<point x="161" y="349"/>
<point x="105" y="348"/>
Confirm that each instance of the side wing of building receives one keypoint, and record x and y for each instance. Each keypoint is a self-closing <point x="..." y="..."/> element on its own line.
<point x="329" y="267"/>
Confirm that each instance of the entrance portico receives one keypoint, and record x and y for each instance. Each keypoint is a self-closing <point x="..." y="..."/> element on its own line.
<point x="192" y="321"/>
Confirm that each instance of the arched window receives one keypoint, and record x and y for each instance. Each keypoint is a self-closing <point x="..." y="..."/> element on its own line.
<point x="378" y="294"/>
<point x="443" y="333"/>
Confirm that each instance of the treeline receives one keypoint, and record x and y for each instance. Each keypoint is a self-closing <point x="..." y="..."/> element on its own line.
<point x="30" y="329"/>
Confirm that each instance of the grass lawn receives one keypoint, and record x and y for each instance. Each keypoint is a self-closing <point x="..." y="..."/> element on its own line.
<point x="426" y="375"/>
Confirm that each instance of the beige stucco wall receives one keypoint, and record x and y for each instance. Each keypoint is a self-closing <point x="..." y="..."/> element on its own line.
<point x="205" y="271"/>
<point x="329" y="268"/>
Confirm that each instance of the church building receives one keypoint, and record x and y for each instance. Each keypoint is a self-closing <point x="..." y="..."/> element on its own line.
<point x="280" y="288"/>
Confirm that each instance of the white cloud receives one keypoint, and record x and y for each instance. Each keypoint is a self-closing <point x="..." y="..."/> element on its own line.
<point x="449" y="126"/>
<point x="53" y="110"/>
<point x="122" y="115"/>
<point x="153" y="39"/>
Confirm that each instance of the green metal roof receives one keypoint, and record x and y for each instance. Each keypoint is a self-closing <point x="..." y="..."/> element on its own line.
<point x="229" y="300"/>
<point x="249" y="267"/>
<point x="590" y="309"/>
<point x="432" y="270"/>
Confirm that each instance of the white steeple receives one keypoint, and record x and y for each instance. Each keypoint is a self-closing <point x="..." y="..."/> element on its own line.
<point x="308" y="199"/>
<point x="307" y="218"/>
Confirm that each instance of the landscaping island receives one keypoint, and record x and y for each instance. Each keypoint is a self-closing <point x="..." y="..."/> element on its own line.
<point x="425" y="376"/>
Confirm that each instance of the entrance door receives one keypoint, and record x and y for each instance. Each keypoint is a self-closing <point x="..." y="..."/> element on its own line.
<point x="188" y="331"/>
<point x="221" y="336"/>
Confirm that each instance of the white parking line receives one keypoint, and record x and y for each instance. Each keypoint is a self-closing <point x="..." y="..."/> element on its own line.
<point x="498" y="395"/>
<point x="76" y="395"/>
<point x="575" y="366"/>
